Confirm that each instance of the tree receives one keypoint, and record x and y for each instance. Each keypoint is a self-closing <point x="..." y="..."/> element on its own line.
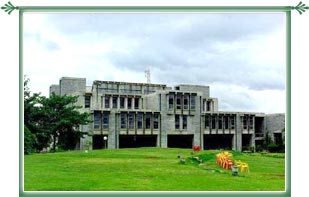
<point x="29" y="141"/>
<point x="55" y="119"/>
<point x="61" y="119"/>
<point x="32" y="118"/>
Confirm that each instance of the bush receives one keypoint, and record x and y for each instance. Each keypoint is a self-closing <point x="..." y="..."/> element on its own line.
<point x="259" y="148"/>
<point x="273" y="148"/>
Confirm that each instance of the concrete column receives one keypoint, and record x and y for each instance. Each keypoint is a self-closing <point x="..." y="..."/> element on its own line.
<point x="103" y="102"/>
<point x="112" y="133"/>
<point x="111" y="102"/>
<point x="252" y="141"/>
<point x="196" y="139"/>
<point x="118" y="102"/>
<point x="133" y="103"/>
<point x="139" y="103"/>
<point x="164" y="140"/>
<point x="126" y="102"/>
<point x="238" y="133"/>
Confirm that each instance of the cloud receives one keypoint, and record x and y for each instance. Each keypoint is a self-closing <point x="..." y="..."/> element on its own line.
<point x="236" y="50"/>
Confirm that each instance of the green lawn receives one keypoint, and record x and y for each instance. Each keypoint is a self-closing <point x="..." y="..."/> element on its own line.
<point x="148" y="169"/>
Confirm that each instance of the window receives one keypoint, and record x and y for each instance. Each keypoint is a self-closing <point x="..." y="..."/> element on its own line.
<point x="219" y="122"/>
<point x="87" y="101"/>
<point x="148" y="121"/>
<point x="178" y="101"/>
<point x="244" y="121"/>
<point x="121" y="102"/>
<point x="137" y="89"/>
<point x="208" y="104"/>
<point x="251" y="122"/>
<point x="105" y="120"/>
<point x="206" y="122"/>
<point x="156" y="121"/>
<point x="139" y="121"/>
<point x="226" y="122"/>
<point x="186" y="101"/>
<point x="129" y="103"/>
<point x="96" y="119"/>
<point x="213" y="122"/>
<point x="106" y="100"/>
<point x="136" y="103"/>
<point x="232" y="122"/>
<point x="114" y="102"/>
<point x="184" y="122"/>
<point x="192" y="102"/>
<point x="170" y="101"/>
<point x="106" y="87"/>
<point x="123" y="121"/>
<point x="131" y="120"/>
<point x="177" y="122"/>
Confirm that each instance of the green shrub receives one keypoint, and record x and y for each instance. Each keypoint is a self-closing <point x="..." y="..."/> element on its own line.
<point x="273" y="148"/>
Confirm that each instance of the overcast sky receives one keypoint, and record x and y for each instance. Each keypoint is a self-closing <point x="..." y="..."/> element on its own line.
<point x="240" y="56"/>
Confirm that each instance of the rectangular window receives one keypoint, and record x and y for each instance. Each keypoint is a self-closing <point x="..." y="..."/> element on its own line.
<point x="129" y="103"/>
<point x="178" y="101"/>
<point x="219" y="122"/>
<point x="136" y="103"/>
<point x="139" y="121"/>
<point x="148" y="121"/>
<point x="121" y="102"/>
<point x="244" y="121"/>
<point x="156" y="121"/>
<point x="105" y="120"/>
<point x="226" y="122"/>
<point x="170" y="101"/>
<point x="206" y="122"/>
<point x="232" y="122"/>
<point x="177" y="122"/>
<point x="184" y="122"/>
<point x="87" y="101"/>
<point x="251" y="122"/>
<point x="96" y="119"/>
<point x="186" y="101"/>
<point x="106" y="100"/>
<point x="213" y="122"/>
<point x="131" y="121"/>
<point x="208" y="103"/>
<point x="114" y="102"/>
<point x="123" y="121"/>
<point x="192" y="102"/>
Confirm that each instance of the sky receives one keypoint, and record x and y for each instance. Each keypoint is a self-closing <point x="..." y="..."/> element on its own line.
<point x="241" y="56"/>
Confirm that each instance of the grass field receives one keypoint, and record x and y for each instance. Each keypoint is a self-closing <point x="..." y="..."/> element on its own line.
<point x="149" y="169"/>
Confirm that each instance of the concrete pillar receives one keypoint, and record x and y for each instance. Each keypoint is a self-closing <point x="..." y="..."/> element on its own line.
<point x="112" y="134"/>
<point x="126" y="102"/>
<point x="196" y="139"/>
<point x="103" y="102"/>
<point x="164" y="140"/>
<point x="111" y="102"/>
<point x="118" y="102"/>
<point x="252" y="141"/>
<point x="238" y="133"/>
<point x="133" y="103"/>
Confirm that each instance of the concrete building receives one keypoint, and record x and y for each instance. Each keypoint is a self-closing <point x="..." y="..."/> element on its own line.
<point x="140" y="115"/>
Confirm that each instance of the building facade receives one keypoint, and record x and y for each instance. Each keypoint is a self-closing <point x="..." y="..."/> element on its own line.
<point x="154" y="115"/>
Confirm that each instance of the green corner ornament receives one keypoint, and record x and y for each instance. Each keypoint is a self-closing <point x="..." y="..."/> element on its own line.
<point x="300" y="8"/>
<point x="8" y="7"/>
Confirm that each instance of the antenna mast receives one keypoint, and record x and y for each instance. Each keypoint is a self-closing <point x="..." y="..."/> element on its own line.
<point x="147" y="75"/>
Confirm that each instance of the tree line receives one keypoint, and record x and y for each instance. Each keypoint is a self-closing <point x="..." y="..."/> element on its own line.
<point x="51" y="122"/>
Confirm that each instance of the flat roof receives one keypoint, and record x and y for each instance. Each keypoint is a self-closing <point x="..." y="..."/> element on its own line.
<point x="98" y="82"/>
